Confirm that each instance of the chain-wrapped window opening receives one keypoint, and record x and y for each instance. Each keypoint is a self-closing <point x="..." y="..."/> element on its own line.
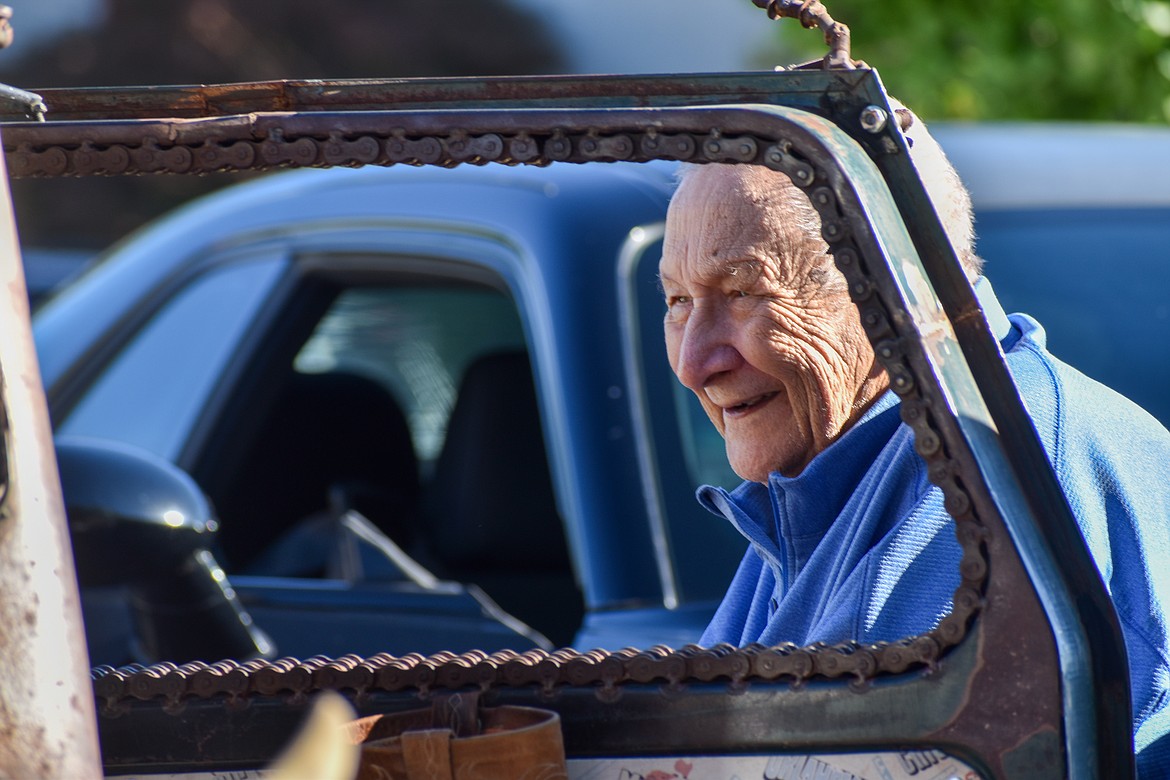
<point x="605" y="671"/>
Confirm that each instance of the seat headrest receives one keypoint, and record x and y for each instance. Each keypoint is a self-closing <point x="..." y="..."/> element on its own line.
<point x="322" y="430"/>
<point x="494" y="504"/>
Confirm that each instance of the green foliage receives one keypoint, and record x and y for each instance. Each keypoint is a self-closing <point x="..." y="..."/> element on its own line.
<point x="1003" y="59"/>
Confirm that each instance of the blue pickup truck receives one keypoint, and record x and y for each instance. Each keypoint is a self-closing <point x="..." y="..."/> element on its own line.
<point x="470" y="359"/>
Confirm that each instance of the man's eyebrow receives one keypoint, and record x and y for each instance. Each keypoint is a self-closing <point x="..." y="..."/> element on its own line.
<point x="746" y="268"/>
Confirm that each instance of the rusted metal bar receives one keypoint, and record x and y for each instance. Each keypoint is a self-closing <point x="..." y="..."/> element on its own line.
<point x="46" y="711"/>
<point x="193" y="101"/>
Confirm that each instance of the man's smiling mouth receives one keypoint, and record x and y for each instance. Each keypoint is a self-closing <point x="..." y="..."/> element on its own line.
<point x="750" y="405"/>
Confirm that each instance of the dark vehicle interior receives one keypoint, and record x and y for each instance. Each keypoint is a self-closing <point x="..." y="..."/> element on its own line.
<point x="416" y="421"/>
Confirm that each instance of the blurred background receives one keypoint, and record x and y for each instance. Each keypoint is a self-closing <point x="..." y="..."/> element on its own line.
<point x="993" y="60"/>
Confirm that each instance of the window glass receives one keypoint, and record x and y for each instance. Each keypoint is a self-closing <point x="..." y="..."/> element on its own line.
<point x="417" y="342"/>
<point x="152" y="392"/>
<point x="703" y="446"/>
<point x="687" y="452"/>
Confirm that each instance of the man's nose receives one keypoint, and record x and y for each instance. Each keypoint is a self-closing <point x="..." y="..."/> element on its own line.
<point x="706" y="349"/>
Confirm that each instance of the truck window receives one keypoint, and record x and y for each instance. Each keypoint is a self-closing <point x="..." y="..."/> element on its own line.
<point x="417" y="342"/>
<point x="411" y="399"/>
<point x="152" y="392"/>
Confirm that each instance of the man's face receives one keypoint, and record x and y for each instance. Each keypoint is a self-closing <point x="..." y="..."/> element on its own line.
<point x="768" y="341"/>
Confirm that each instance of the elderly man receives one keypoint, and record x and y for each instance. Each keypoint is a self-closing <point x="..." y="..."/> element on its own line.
<point x="848" y="539"/>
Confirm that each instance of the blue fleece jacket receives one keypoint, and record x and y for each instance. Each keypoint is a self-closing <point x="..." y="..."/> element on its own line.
<point x="859" y="546"/>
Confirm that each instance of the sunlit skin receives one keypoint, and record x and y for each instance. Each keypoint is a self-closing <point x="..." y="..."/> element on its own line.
<point x="756" y="325"/>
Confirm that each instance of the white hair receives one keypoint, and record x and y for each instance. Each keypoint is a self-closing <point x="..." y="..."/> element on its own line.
<point x="947" y="192"/>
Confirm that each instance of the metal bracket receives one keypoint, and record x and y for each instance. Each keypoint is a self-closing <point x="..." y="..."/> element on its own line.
<point x="31" y="103"/>
<point x="812" y="13"/>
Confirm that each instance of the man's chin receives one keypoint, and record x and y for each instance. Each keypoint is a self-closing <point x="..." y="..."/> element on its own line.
<point x="754" y="454"/>
<point x="750" y="466"/>
<point x="749" y="469"/>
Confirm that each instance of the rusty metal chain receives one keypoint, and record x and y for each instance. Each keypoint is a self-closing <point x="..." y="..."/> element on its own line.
<point x="276" y="151"/>
<point x="606" y="672"/>
<point x="811" y="13"/>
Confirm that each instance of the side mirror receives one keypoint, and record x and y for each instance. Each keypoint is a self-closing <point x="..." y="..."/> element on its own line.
<point x="139" y="521"/>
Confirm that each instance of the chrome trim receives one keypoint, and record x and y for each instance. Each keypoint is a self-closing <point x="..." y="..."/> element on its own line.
<point x="632" y="249"/>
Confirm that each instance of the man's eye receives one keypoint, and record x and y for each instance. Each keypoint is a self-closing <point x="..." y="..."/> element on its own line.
<point x="675" y="300"/>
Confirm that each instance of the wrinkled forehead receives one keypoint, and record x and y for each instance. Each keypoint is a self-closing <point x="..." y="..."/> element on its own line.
<point x="728" y="220"/>
<point x="752" y="187"/>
